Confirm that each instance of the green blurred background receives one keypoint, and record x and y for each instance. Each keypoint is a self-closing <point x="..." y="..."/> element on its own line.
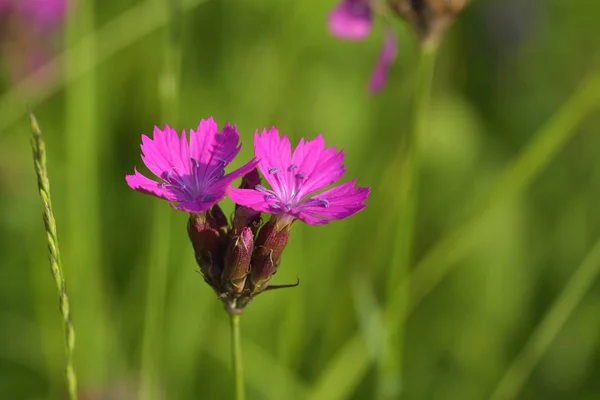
<point x="505" y="69"/>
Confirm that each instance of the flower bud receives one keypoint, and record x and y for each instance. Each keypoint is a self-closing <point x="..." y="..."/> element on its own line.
<point x="217" y="220"/>
<point x="269" y="245"/>
<point x="245" y="216"/>
<point x="237" y="261"/>
<point x="429" y="18"/>
<point x="203" y="231"/>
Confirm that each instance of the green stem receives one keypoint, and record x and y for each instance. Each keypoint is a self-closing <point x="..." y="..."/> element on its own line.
<point x="39" y="158"/>
<point x="516" y="375"/>
<point x="236" y="350"/>
<point x="390" y="366"/>
<point x="156" y="286"/>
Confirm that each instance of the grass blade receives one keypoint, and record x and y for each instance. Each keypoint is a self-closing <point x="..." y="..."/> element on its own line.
<point x="39" y="161"/>
<point x="516" y="375"/>
<point x="438" y="262"/>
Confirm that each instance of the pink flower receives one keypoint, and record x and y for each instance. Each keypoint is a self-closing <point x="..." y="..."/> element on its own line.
<point x="294" y="179"/>
<point x="29" y="27"/>
<point x="352" y="20"/>
<point x="39" y="13"/>
<point x="192" y="176"/>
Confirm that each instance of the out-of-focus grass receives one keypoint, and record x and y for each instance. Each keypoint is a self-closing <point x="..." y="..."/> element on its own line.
<point x="266" y="63"/>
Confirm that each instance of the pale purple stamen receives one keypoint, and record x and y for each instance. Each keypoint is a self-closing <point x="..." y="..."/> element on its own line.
<point x="273" y="170"/>
<point x="324" y="202"/>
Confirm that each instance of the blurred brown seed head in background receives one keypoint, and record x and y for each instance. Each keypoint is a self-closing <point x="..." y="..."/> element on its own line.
<point x="429" y="18"/>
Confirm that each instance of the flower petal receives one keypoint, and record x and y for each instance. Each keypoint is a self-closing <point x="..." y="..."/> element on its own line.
<point x="275" y="158"/>
<point x="339" y="202"/>
<point x="252" y="199"/>
<point x="165" y="151"/>
<point x="351" y="20"/>
<point x="193" y="206"/>
<point x="241" y="171"/>
<point x="321" y="166"/>
<point x="144" y="185"/>
<point x="209" y="147"/>
<point x="386" y="58"/>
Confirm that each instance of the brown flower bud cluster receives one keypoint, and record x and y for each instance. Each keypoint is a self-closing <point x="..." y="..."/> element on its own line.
<point x="237" y="260"/>
<point x="429" y="18"/>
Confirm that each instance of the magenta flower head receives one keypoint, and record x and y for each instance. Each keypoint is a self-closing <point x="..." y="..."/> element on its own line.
<point x="295" y="178"/>
<point x="192" y="176"/>
<point x="352" y="20"/>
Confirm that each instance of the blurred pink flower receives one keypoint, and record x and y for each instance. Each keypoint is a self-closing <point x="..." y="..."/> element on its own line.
<point x="28" y="28"/>
<point x="46" y="14"/>
<point x="294" y="179"/>
<point x="193" y="176"/>
<point x="352" y="20"/>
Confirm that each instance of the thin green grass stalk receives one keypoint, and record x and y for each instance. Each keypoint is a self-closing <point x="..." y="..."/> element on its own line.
<point x="517" y="373"/>
<point x="390" y="365"/>
<point x="236" y="357"/>
<point x="115" y="36"/>
<point x="535" y="156"/>
<point x="262" y="360"/>
<point x="344" y="372"/>
<point x="515" y="178"/>
<point x="39" y="161"/>
<point x="158" y="273"/>
<point x="99" y="356"/>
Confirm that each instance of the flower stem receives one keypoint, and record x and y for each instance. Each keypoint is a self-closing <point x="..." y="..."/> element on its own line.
<point x="390" y="366"/>
<point x="39" y="158"/>
<point x="158" y="274"/>
<point x="236" y="352"/>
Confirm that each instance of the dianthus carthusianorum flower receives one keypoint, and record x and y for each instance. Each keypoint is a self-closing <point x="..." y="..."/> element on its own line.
<point x="352" y="20"/>
<point x="192" y="176"/>
<point x="237" y="258"/>
<point x="295" y="180"/>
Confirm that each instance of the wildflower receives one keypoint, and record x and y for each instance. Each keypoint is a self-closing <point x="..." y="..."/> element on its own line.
<point x="237" y="258"/>
<point x="352" y="20"/>
<point x="192" y="176"/>
<point x="294" y="179"/>
<point x="28" y="28"/>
